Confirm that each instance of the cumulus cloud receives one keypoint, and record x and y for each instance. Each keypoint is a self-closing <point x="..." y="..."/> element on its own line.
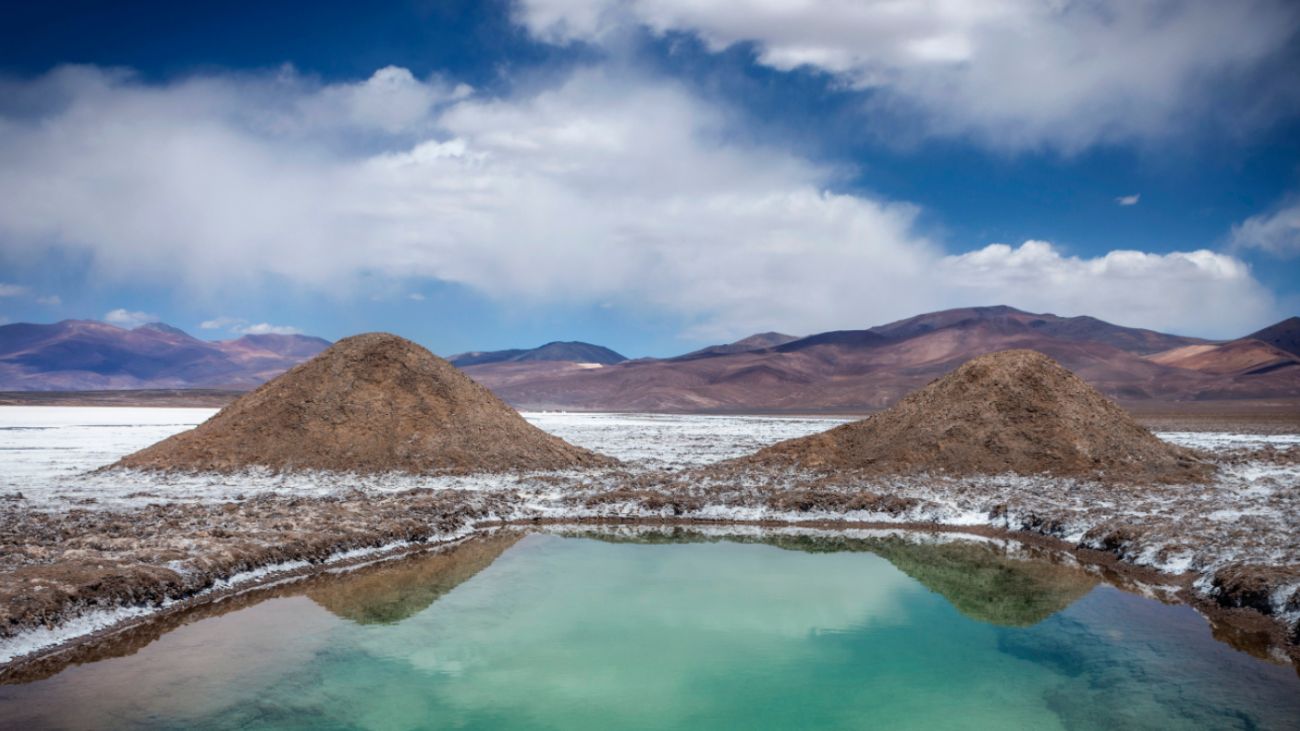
<point x="263" y="328"/>
<point x="1127" y="287"/>
<point x="244" y="327"/>
<point x="128" y="318"/>
<point x="11" y="290"/>
<point x="603" y="188"/>
<point x="1012" y="72"/>
<point x="222" y="323"/>
<point x="1276" y="232"/>
<point x="1128" y="200"/>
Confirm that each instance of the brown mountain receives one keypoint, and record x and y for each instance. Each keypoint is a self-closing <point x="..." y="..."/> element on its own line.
<point x="863" y="370"/>
<point x="77" y="355"/>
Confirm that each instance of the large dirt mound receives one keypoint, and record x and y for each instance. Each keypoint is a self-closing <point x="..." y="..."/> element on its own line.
<point x="1013" y="411"/>
<point x="370" y="403"/>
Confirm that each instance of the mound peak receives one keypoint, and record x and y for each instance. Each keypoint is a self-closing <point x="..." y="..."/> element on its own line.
<point x="1011" y="411"/>
<point x="369" y="403"/>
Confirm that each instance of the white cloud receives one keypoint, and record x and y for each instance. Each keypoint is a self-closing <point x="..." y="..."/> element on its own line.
<point x="222" y="323"/>
<point x="415" y="297"/>
<point x="127" y="318"/>
<point x="1011" y="72"/>
<point x="53" y="300"/>
<point x="11" y="290"/>
<point x="1276" y="232"/>
<point x="263" y="328"/>
<point x="1129" y="200"/>
<point x="243" y="327"/>
<point x="1125" y="287"/>
<point x="392" y="100"/>
<point x="604" y="188"/>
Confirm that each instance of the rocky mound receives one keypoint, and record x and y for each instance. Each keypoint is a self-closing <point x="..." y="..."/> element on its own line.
<point x="370" y="403"/>
<point x="1013" y="411"/>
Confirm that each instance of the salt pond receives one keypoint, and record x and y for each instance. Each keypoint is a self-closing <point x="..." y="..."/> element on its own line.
<point x="644" y="630"/>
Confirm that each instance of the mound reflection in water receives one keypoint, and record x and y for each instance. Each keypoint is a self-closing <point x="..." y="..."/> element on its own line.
<point x="682" y="629"/>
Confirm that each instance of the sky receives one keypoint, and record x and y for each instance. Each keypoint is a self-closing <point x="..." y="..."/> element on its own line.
<point x="649" y="175"/>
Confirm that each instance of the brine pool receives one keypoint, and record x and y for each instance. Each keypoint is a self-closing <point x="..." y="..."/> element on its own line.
<point x="636" y="629"/>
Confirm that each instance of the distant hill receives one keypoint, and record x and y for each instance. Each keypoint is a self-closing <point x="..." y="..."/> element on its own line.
<point x="555" y="352"/>
<point x="757" y="341"/>
<point x="1244" y="356"/>
<point x="79" y="355"/>
<point x="861" y="370"/>
<point x="1009" y="321"/>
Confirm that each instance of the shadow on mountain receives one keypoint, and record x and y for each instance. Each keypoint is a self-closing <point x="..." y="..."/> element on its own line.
<point x="391" y="592"/>
<point x="982" y="580"/>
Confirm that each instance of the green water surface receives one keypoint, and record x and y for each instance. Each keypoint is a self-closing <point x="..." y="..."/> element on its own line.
<point x="552" y="632"/>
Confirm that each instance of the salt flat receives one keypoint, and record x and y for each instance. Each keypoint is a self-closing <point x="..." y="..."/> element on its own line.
<point x="46" y="452"/>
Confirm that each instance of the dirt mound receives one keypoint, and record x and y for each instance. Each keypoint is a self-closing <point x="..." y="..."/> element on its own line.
<point x="370" y="403"/>
<point x="1013" y="411"/>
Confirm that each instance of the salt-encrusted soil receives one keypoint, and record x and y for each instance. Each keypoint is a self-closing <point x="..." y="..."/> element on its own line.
<point x="148" y="540"/>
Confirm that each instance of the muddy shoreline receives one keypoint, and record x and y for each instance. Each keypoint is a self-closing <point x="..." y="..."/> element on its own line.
<point x="1244" y="628"/>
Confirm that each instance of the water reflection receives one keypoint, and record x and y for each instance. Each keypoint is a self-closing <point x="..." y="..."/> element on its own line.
<point x="676" y="629"/>
<point x="985" y="580"/>
<point x="391" y="592"/>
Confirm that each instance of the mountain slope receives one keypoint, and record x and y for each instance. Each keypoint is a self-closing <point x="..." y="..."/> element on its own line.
<point x="86" y="354"/>
<point x="1010" y="320"/>
<point x="1284" y="335"/>
<point x="1245" y="356"/>
<point x="757" y="341"/>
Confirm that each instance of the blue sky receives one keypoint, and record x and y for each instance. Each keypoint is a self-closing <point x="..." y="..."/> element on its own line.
<point x="651" y="175"/>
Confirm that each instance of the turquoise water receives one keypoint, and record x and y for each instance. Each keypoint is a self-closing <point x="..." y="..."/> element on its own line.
<point x="551" y="632"/>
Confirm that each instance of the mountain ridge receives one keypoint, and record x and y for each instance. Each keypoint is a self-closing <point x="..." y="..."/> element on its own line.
<point x="869" y="369"/>
<point x="73" y="355"/>
<point x="571" y="351"/>
<point x="843" y="370"/>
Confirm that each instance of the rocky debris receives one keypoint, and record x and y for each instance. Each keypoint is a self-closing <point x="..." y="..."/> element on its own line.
<point x="1016" y="411"/>
<point x="370" y="403"/>
<point x="1267" y="454"/>
<point x="1265" y="589"/>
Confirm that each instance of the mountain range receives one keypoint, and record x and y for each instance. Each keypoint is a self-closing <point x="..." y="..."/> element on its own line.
<point x="83" y="355"/>
<point x="843" y="370"/>
<point x="860" y="370"/>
